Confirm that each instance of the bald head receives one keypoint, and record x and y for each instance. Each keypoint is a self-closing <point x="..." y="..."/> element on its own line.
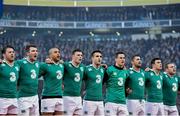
<point x="54" y="54"/>
<point x="52" y="50"/>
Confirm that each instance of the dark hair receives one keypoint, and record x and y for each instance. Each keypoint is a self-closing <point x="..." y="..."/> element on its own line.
<point x="95" y="51"/>
<point x="27" y="48"/>
<point x="166" y="65"/>
<point x="154" y="60"/>
<point x="136" y="55"/>
<point x="117" y="53"/>
<point x="5" y="48"/>
<point x="76" y="50"/>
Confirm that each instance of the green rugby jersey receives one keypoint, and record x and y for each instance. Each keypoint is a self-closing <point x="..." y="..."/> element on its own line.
<point x="8" y="77"/>
<point x="93" y="83"/>
<point x="52" y="74"/>
<point x="72" y="79"/>
<point x="154" y="85"/>
<point x="28" y="78"/>
<point x="170" y="87"/>
<point x="115" y="85"/>
<point x="136" y="82"/>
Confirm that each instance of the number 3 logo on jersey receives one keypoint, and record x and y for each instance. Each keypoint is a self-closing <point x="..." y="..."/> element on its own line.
<point x="33" y="74"/>
<point x="174" y="88"/>
<point x="158" y="84"/>
<point x="120" y="81"/>
<point x="12" y="77"/>
<point x="98" y="78"/>
<point x="58" y="74"/>
<point x="141" y="82"/>
<point x="77" y="77"/>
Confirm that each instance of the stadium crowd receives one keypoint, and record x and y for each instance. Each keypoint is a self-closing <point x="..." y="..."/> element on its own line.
<point x="167" y="49"/>
<point x="92" y="13"/>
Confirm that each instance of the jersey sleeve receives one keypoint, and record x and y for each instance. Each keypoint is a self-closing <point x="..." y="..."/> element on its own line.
<point x="178" y="80"/>
<point x="85" y="73"/>
<point x="146" y="77"/>
<point x="178" y="83"/>
<point x="63" y="68"/>
<point x="163" y="76"/>
<point x="128" y="73"/>
<point x="19" y="62"/>
<point x="1" y="69"/>
<point x="128" y="78"/>
<point x="42" y="70"/>
<point x="65" y="64"/>
<point x="106" y="75"/>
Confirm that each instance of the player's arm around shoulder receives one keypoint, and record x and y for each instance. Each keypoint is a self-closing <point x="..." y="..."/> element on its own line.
<point x="65" y="64"/>
<point x="178" y="78"/>
<point x="19" y="62"/>
<point x="128" y="90"/>
<point x="42" y="69"/>
<point x="147" y="74"/>
<point x="1" y="68"/>
<point x="107" y="73"/>
<point x="86" y="68"/>
<point x="105" y="66"/>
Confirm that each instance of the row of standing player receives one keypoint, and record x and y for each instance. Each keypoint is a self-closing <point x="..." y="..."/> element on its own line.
<point x="119" y="81"/>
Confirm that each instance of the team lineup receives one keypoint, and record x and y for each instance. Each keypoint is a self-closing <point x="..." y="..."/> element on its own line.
<point x="134" y="91"/>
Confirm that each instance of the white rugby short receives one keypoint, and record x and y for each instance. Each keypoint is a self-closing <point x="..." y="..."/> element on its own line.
<point x="72" y="105"/>
<point x="152" y="108"/>
<point x="29" y="105"/>
<point x="170" y="110"/>
<point x="136" y="107"/>
<point x="93" y="108"/>
<point x="114" y="109"/>
<point x="51" y="104"/>
<point x="8" y="106"/>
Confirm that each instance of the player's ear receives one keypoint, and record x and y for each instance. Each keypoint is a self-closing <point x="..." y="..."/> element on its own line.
<point x="27" y="53"/>
<point x="115" y="59"/>
<point x="131" y="61"/>
<point x="91" y="57"/>
<point x="3" y="55"/>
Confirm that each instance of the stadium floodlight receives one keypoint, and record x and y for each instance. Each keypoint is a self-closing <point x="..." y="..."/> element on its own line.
<point x="33" y="34"/>
<point x="146" y="32"/>
<point x="91" y="33"/>
<point x="60" y="34"/>
<point x="87" y="9"/>
<point x="118" y="34"/>
<point x="173" y="31"/>
<point x="49" y="31"/>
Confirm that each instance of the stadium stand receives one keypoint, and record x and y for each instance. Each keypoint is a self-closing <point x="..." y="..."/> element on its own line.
<point x="91" y="13"/>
